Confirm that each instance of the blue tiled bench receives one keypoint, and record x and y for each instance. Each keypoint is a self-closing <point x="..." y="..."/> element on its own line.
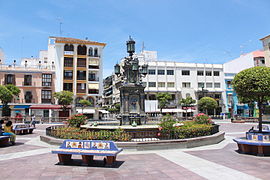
<point x="23" y="129"/>
<point x="4" y="140"/>
<point x="87" y="149"/>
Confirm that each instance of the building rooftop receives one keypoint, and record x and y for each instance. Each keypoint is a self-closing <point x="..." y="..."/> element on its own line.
<point x="258" y="53"/>
<point x="75" y="41"/>
<point x="268" y="36"/>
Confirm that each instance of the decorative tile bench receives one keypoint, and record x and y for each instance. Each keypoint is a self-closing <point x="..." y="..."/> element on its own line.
<point x="23" y="129"/>
<point x="4" y="140"/>
<point x="87" y="149"/>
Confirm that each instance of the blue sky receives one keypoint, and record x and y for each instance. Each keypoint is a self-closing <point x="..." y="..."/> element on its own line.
<point x="203" y="31"/>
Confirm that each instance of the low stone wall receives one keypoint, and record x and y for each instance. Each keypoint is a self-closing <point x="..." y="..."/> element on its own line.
<point x="154" y="145"/>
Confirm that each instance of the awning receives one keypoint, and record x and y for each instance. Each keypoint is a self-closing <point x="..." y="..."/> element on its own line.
<point x="47" y="107"/>
<point x="86" y="111"/>
<point x="103" y="111"/>
<point x="93" y="86"/>
<point x="17" y="106"/>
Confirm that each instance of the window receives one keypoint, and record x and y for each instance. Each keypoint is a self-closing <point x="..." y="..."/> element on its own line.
<point x="187" y="95"/>
<point x="81" y="88"/>
<point x="10" y="79"/>
<point x="161" y="72"/>
<point x="81" y="62"/>
<point x="96" y="52"/>
<point x="200" y="73"/>
<point x="170" y="84"/>
<point x="77" y="104"/>
<point x="217" y="85"/>
<point x="81" y="75"/>
<point x="151" y="84"/>
<point x="91" y="77"/>
<point x="200" y="85"/>
<point x="185" y="72"/>
<point x="46" y="79"/>
<point x="92" y="100"/>
<point x="170" y="72"/>
<point x="68" y="74"/>
<point x="68" y="47"/>
<point x="151" y="71"/>
<point x="208" y="73"/>
<point x="209" y="85"/>
<point x="161" y="84"/>
<point x="186" y="84"/>
<point x="68" y="87"/>
<point x="90" y="51"/>
<point x="27" y="80"/>
<point x="229" y="84"/>
<point x="46" y="96"/>
<point x="81" y="50"/>
<point x="28" y="97"/>
<point x="68" y="62"/>
<point x="216" y="73"/>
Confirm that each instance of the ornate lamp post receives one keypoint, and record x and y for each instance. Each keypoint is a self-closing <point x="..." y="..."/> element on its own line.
<point x="132" y="95"/>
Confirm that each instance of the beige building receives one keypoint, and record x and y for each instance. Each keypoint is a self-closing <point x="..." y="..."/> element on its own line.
<point x="36" y="86"/>
<point x="266" y="47"/>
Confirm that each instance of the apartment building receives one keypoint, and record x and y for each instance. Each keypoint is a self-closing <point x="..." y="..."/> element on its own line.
<point x="36" y="86"/>
<point x="78" y="67"/>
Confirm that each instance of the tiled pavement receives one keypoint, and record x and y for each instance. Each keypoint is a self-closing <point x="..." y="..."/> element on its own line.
<point x="31" y="159"/>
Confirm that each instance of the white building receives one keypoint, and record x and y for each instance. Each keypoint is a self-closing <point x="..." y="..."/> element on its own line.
<point x="78" y="65"/>
<point x="180" y="80"/>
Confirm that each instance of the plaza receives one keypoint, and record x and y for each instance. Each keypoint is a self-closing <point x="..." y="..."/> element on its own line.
<point x="31" y="158"/>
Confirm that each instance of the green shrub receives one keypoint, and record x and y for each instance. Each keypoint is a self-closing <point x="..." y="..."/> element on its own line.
<point x="195" y="130"/>
<point x="77" y="120"/>
<point x="202" y="119"/>
<point x="82" y="134"/>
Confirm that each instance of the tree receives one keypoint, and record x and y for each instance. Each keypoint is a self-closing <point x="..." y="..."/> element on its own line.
<point x="253" y="84"/>
<point x="207" y="103"/>
<point x="163" y="99"/>
<point x="65" y="98"/>
<point x="185" y="103"/>
<point x="7" y="93"/>
<point x="85" y="103"/>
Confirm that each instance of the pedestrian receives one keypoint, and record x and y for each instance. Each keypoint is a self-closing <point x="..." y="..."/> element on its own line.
<point x="33" y="121"/>
<point x="1" y="130"/>
<point x="8" y="131"/>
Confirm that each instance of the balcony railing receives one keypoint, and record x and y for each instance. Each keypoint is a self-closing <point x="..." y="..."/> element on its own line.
<point x="47" y="101"/>
<point x="68" y="77"/>
<point x="81" y="90"/>
<point x="93" y="67"/>
<point x="81" y="77"/>
<point x="68" y="52"/>
<point x="93" y="91"/>
<point x="93" y="79"/>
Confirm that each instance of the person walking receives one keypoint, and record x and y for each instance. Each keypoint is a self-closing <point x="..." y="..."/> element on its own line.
<point x="33" y="121"/>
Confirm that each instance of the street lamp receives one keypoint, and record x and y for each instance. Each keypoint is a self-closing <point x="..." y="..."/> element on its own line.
<point x="117" y="69"/>
<point x="130" y="46"/>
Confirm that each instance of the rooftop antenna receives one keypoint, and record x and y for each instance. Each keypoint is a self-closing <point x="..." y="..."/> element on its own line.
<point x="60" y="25"/>
<point x="143" y="47"/>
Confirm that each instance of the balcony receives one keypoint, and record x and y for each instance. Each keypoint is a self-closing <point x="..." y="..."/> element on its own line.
<point x="69" y="53"/>
<point x="81" y="62"/>
<point x="27" y="83"/>
<point x="93" y="67"/>
<point x="93" y="79"/>
<point x="93" y="91"/>
<point x="46" y="84"/>
<point x="68" y="77"/>
<point x="81" y="90"/>
<point x="81" y="77"/>
<point x="46" y="101"/>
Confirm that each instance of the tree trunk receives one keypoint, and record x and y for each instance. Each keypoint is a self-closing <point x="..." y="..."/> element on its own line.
<point x="260" y="116"/>
<point x="186" y="114"/>
<point x="206" y="112"/>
